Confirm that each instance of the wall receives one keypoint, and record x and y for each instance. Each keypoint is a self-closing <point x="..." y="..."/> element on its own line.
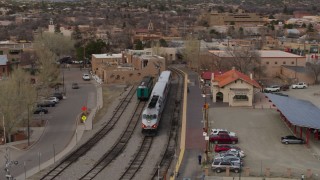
<point x="297" y="76"/>
<point x="273" y="65"/>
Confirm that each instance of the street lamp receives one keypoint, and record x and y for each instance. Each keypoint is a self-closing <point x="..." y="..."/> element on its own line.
<point x="28" y="125"/>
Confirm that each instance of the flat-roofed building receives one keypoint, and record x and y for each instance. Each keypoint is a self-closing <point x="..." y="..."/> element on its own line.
<point x="215" y="18"/>
<point x="129" y="67"/>
<point x="272" y="60"/>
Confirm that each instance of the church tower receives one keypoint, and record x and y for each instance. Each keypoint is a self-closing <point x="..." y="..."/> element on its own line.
<point x="150" y="26"/>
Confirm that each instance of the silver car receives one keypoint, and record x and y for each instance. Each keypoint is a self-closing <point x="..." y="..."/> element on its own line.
<point x="229" y="159"/>
<point x="291" y="140"/>
<point x="222" y="166"/>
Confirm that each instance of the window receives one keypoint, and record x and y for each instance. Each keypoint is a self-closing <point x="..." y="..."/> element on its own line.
<point x="267" y="62"/>
<point x="284" y="62"/>
<point x="225" y="163"/>
<point x="276" y="62"/>
<point x="292" y="62"/>
<point x="1" y="52"/>
<point x="240" y="98"/>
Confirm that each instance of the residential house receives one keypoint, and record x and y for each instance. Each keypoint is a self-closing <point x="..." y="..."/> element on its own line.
<point x="234" y="88"/>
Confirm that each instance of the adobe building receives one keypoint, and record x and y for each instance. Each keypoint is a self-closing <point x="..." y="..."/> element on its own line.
<point x="237" y="19"/>
<point x="234" y="88"/>
<point x="128" y="67"/>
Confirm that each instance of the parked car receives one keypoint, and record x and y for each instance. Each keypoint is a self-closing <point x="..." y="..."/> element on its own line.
<point x="224" y="147"/>
<point x="273" y="88"/>
<point x="58" y="95"/>
<point x="217" y="131"/>
<point x="53" y="99"/>
<point x="236" y="152"/>
<point x="233" y="159"/>
<point x="222" y="166"/>
<point x="223" y="138"/>
<point x="46" y="103"/>
<point x="86" y="77"/>
<point x="300" y="85"/>
<point x="40" y="110"/>
<point x="285" y="87"/>
<point x="75" y="86"/>
<point x="292" y="140"/>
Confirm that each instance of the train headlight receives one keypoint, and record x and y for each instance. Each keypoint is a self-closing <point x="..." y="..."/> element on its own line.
<point x="149" y="121"/>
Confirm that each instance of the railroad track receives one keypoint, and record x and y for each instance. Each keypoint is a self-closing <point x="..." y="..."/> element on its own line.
<point x="160" y="172"/>
<point x="119" y="146"/>
<point x="71" y="158"/>
<point x="138" y="160"/>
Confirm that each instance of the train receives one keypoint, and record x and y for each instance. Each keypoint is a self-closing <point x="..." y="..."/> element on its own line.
<point x="151" y="114"/>
<point x="145" y="88"/>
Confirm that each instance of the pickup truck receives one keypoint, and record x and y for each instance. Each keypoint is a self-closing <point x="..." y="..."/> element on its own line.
<point x="223" y="138"/>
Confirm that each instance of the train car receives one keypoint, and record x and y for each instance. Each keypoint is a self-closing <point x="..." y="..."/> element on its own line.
<point x="145" y="88"/>
<point x="165" y="76"/>
<point x="151" y="115"/>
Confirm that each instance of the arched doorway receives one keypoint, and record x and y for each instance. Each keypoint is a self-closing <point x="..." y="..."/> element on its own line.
<point x="219" y="97"/>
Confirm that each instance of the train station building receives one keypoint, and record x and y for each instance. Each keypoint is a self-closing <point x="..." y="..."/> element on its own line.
<point x="234" y="88"/>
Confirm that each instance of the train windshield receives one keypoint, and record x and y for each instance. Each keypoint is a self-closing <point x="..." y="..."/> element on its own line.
<point x="149" y="116"/>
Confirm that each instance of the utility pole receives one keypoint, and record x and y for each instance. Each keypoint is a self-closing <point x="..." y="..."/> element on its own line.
<point x="28" y="129"/>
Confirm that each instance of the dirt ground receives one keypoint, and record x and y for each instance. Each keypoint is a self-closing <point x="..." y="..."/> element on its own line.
<point x="109" y="93"/>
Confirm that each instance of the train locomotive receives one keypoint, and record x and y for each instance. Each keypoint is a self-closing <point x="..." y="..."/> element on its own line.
<point x="151" y="115"/>
<point x="145" y="88"/>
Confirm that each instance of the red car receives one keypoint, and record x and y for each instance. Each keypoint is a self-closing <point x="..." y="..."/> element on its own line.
<point x="223" y="138"/>
<point x="224" y="147"/>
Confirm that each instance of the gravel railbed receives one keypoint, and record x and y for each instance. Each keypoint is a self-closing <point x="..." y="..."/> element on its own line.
<point x="85" y="163"/>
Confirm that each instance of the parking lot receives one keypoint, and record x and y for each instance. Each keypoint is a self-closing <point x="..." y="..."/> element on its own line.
<point x="259" y="131"/>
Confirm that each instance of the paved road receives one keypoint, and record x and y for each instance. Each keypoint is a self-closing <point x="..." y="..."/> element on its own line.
<point x="60" y="127"/>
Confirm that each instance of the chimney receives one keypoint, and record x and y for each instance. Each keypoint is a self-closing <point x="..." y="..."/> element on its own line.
<point x="251" y="76"/>
<point x="233" y="68"/>
<point x="212" y="77"/>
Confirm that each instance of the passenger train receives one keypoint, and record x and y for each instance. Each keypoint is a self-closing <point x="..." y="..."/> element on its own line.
<point x="151" y="115"/>
<point x="145" y="88"/>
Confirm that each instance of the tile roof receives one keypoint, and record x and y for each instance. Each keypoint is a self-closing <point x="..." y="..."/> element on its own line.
<point x="232" y="75"/>
<point x="207" y="75"/>
<point x="3" y="60"/>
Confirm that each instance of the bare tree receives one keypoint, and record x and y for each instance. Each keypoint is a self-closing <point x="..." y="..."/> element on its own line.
<point x="17" y="97"/>
<point x="191" y="52"/>
<point x="313" y="68"/>
<point x="58" y="44"/>
<point x="48" y="48"/>
<point x="245" y="60"/>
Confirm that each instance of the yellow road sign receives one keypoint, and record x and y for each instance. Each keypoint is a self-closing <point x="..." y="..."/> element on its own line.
<point x="84" y="118"/>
